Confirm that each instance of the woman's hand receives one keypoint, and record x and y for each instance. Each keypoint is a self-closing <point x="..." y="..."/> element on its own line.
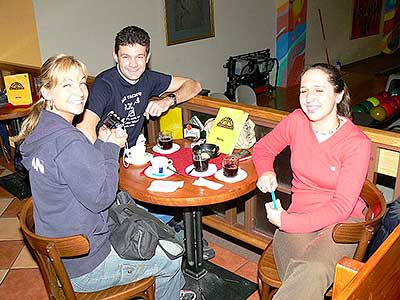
<point x="104" y="133"/>
<point x="117" y="136"/>
<point x="274" y="214"/>
<point x="267" y="182"/>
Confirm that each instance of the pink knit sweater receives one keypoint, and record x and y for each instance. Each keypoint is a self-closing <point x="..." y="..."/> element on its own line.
<point x="327" y="176"/>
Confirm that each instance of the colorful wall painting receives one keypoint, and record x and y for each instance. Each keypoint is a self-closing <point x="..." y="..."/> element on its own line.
<point x="290" y="40"/>
<point x="391" y="26"/>
<point x="366" y="18"/>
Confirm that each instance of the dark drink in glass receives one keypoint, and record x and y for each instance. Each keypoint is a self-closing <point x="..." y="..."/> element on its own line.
<point x="200" y="162"/>
<point x="200" y="165"/>
<point x="230" y="170"/>
<point x="165" y="143"/>
<point x="164" y="140"/>
<point x="230" y="166"/>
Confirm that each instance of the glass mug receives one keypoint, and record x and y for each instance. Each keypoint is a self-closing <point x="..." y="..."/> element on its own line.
<point x="200" y="162"/>
<point x="164" y="140"/>
<point x="230" y="166"/>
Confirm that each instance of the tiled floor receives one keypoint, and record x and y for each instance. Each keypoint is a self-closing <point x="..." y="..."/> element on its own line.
<point x="19" y="274"/>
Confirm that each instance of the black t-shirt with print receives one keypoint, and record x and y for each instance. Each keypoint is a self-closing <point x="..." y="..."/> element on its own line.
<point x="111" y="92"/>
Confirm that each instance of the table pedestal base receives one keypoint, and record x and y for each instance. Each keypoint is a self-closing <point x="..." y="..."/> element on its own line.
<point x="218" y="283"/>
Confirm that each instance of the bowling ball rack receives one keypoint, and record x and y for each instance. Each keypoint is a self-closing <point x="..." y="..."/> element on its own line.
<point x="366" y="120"/>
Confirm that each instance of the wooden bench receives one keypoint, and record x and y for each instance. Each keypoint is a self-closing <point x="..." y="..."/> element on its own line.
<point x="375" y="279"/>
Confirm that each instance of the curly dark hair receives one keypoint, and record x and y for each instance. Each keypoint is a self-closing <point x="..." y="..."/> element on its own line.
<point x="335" y="78"/>
<point x="132" y="35"/>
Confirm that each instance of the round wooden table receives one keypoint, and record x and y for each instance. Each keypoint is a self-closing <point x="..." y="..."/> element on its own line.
<point x="191" y="198"/>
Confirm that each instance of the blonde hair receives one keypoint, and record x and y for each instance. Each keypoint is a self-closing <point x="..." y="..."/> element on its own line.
<point x="51" y="73"/>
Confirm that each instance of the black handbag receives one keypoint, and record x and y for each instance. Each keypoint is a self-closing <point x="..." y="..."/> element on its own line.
<point x="136" y="233"/>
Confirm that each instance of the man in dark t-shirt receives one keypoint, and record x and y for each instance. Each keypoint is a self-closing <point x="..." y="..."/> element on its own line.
<point x="112" y="92"/>
<point x="126" y="88"/>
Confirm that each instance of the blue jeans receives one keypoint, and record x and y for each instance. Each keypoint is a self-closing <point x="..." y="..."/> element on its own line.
<point x="389" y="223"/>
<point x="162" y="217"/>
<point x="115" y="270"/>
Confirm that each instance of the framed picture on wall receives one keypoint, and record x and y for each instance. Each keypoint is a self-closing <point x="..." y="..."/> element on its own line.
<point x="366" y="18"/>
<point x="188" y="20"/>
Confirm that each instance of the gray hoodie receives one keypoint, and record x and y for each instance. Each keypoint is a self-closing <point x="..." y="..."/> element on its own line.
<point x="73" y="183"/>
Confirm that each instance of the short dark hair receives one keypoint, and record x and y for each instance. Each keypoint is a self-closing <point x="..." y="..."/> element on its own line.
<point x="335" y="78"/>
<point x="132" y="35"/>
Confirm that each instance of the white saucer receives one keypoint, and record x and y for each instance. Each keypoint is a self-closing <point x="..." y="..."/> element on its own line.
<point x="139" y="162"/>
<point x="168" y="172"/>
<point x="242" y="174"/>
<point x="210" y="171"/>
<point x="175" y="147"/>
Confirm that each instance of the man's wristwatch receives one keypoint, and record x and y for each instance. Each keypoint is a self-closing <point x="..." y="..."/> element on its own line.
<point x="173" y="96"/>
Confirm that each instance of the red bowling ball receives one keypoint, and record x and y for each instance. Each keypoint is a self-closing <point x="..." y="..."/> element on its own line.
<point x="394" y="103"/>
<point x="396" y="99"/>
<point x="388" y="108"/>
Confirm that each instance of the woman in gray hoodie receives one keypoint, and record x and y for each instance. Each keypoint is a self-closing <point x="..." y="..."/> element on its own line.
<point x="74" y="182"/>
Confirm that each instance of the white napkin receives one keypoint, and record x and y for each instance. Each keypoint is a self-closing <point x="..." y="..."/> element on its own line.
<point x="165" y="186"/>
<point x="208" y="183"/>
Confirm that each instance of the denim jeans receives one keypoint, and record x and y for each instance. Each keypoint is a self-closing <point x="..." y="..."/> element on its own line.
<point x="115" y="270"/>
<point x="389" y="223"/>
<point x="162" y="217"/>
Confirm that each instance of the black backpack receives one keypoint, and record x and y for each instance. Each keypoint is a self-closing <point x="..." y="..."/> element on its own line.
<point x="136" y="233"/>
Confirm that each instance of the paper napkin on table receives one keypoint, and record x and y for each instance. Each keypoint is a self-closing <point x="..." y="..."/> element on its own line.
<point x="165" y="186"/>
<point x="208" y="183"/>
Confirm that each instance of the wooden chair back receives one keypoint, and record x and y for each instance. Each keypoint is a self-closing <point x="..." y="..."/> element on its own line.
<point x="48" y="253"/>
<point x="362" y="232"/>
<point x="376" y="279"/>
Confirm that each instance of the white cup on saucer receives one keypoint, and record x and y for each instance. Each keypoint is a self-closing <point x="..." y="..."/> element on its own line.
<point x="159" y="164"/>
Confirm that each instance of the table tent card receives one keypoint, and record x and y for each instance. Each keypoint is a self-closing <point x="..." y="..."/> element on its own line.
<point x="18" y="89"/>
<point x="226" y="128"/>
<point x="172" y="121"/>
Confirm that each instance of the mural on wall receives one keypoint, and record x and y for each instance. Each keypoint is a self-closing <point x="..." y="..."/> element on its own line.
<point x="366" y="18"/>
<point x="391" y="26"/>
<point x="290" y="40"/>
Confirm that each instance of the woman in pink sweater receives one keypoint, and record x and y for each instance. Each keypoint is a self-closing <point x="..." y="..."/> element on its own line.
<point x="329" y="160"/>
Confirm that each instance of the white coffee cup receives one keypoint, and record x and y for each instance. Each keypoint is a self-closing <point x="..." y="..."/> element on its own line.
<point x="160" y="164"/>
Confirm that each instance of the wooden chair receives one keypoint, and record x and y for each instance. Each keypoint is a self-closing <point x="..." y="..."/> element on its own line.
<point x="48" y="253"/>
<point x="376" y="279"/>
<point x="361" y="233"/>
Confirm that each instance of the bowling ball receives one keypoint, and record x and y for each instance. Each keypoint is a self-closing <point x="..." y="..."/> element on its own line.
<point x="378" y="113"/>
<point x="396" y="99"/>
<point x="395" y="92"/>
<point x="382" y="96"/>
<point x="388" y="108"/>
<point x="368" y="105"/>
<point x="374" y="101"/>
<point x="394" y="103"/>
<point x="360" y="108"/>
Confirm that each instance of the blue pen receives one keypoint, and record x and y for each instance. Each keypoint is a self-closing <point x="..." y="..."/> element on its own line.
<point x="273" y="199"/>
